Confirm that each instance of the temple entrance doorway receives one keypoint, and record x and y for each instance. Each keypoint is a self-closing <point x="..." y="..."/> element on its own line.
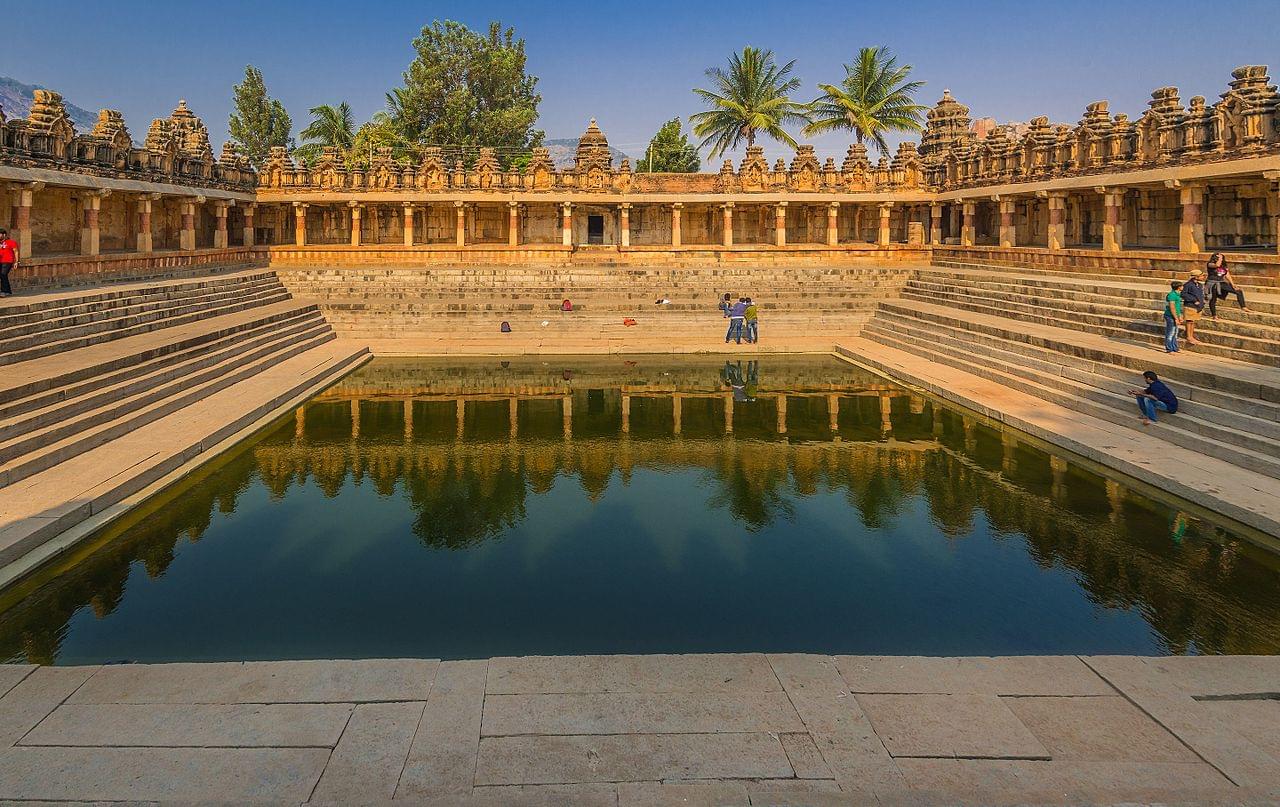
<point x="595" y="229"/>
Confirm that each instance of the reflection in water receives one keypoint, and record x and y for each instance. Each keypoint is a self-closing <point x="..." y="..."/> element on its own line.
<point x="436" y="509"/>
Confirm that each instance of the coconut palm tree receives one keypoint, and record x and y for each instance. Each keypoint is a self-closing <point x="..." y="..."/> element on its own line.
<point x="874" y="98"/>
<point x="751" y="97"/>
<point x="330" y="126"/>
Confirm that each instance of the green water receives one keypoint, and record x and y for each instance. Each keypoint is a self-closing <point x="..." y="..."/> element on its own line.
<point x="598" y="505"/>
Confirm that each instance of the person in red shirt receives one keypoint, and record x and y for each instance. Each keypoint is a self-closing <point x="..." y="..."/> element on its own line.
<point x="8" y="260"/>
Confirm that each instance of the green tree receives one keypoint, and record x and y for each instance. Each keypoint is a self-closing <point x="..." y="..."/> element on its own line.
<point x="751" y="96"/>
<point x="379" y="132"/>
<point x="670" y="151"/>
<point x="259" y="121"/>
<point x="466" y="88"/>
<point x="330" y="126"/>
<point x="875" y="97"/>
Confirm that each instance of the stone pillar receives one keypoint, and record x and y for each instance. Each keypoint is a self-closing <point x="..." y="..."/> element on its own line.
<point x="1057" y="235"/>
<point x="247" y="237"/>
<point x="355" y="223"/>
<point x="727" y="236"/>
<point x="675" y="223"/>
<point x="1008" y="225"/>
<point x="220" y="240"/>
<point x="833" y="224"/>
<point x="460" y="224"/>
<point x="968" y="223"/>
<point x="89" y="232"/>
<point x="624" y="224"/>
<point x="1273" y="204"/>
<point x="513" y="224"/>
<point x="1191" y="231"/>
<point x="882" y="235"/>
<point x="935" y="224"/>
<point x="408" y="224"/>
<point x="780" y="224"/>
<point x="300" y="224"/>
<point x="187" y="237"/>
<point x="566" y="224"/>
<point x="1113" y="223"/>
<point x="144" y="242"/>
<point x="24" y="199"/>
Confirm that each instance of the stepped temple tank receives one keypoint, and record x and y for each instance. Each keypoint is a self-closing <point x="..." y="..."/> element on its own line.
<point x="473" y="508"/>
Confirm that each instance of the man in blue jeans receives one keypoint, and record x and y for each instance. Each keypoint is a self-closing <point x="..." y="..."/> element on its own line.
<point x="1172" y="316"/>
<point x="1157" y="397"/>
<point x="737" y="318"/>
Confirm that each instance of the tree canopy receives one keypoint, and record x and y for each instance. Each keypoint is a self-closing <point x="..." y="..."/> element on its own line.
<point x="467" y="88"/>
<point x="670" y="152"/>
<point x="752" y="96"/>
<point x="330" y="126"/>
<point x="258" y="121"/>
<point x="875" y="97"/>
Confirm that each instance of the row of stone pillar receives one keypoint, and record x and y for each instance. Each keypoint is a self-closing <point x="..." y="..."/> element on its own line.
<point x="624" y="228"/>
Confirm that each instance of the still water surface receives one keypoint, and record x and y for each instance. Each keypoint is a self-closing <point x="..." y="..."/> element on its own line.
<point x="598" y="505"/>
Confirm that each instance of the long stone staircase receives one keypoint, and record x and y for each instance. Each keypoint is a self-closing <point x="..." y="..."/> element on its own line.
<point x="460" y="309"/>
<point x="104" y="391"/>
<point x="1081" y="341"/>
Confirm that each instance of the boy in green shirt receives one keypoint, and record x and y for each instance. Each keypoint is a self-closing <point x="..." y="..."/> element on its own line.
<point x="753" y="325"/>
<point x="1172" y="316"/>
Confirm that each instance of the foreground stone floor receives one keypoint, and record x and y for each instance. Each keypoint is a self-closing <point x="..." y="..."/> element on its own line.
<point x="640" y="730"/>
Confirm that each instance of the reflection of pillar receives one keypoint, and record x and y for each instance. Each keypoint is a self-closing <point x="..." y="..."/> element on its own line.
<point x="408" y="420"/>
<point x="728" y="413"/>
<point x="460" y="418"/>
<point x="355" y="418"/>
<point x="915" y="405"/>
<point x="626" y="414"/>
<point x="299" y="422"/>
<point x="937" y="420"/>
<point x="780" y="224"/>
<point x="780" y="403"/>
<point x="567" y="407"/>
<point x="1009" y="457"/>
<point x="675" y="224"/>
<point x="833" y="412"/>
<point x="675" y="414"/>
<point x="1058" y="469"/>
<point x="513" y="223"/>
<point x="299" y="224"/>
<point x="886" y="412"/>
<point x="970" y="434"/>
<point x="833" y="224"/>
<point x="408" y="224"/>
<point x="1115" y="496"/>
<point x="727" y="207"/>
<point x="513" y="415"/>
<point x="624" y="224"/>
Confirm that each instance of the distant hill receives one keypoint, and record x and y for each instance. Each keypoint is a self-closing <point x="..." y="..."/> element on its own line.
<point x="15" y="98"/>
<point x="564" y="149"/>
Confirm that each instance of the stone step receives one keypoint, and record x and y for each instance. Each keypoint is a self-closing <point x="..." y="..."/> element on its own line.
<point x="36" y="509"/>
<point x="1085" y="400"/>
<point x="47" y="410"/>
<point x="139" y="353"/>
<point x="1210" y="419"/>
<point x="1220" y="404"/>
<point x="15" y="350"/>
<point x="32" y="453"/>
<point x="1247" y="280"/>
<point x="1244" y="379"/>
<point x="57" y="319"/>
<point x="1112" y="326"/>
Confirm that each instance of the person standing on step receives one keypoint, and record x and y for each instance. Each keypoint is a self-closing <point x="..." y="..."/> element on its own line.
<point x="1172" y="316"/>
<point x="726" y="303"/>
<point x="1193" y="302"/>
<point x="8" y="262"/>
<point x="1220" y="284"/>
<point x="737" y="318"/>
<point x="752" y="316"/>
<point x="1156" y="397"/>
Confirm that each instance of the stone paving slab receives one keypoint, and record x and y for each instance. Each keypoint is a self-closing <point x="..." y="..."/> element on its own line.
<point x="1097" y="730"/>
<point x="262" y="682"/>
<point x="975" y="726"/>
<point x="193" y="725"/>
<point x="28" y="703"/>
<point x="657" y="673"/>
<point x="630" y="758"/>
<point x="368" y="761"/>
<point x="1222" y="676"/>
<point x="647" y="713"/>
<point x="1257" y="720"/>
<point x="1012" y="675"/>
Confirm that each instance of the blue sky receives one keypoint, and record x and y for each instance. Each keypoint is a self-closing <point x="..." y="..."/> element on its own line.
<point x="631" y="65"/>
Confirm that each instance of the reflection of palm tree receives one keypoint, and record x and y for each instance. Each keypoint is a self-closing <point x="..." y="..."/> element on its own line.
<point x="754" y="496"/>
<point x="459" y="508"/>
